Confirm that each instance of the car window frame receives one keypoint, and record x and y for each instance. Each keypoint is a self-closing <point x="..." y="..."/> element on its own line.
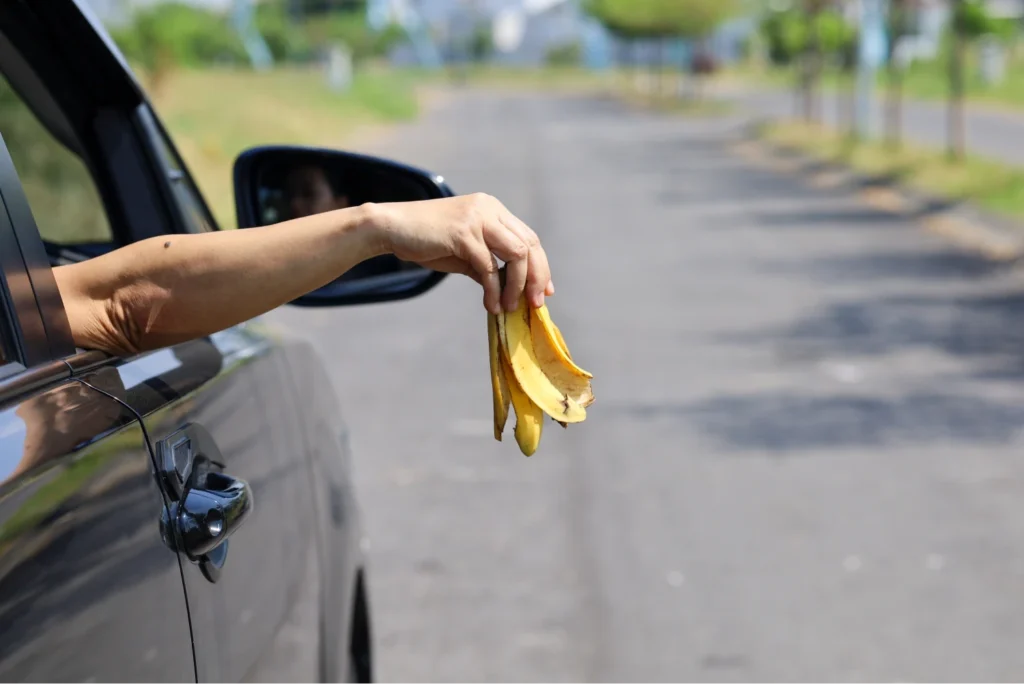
<point x="177" y="183"/>
<point x="100" y="129"/>
<point x="26" y="339"/>
<point x="30" y="70"/>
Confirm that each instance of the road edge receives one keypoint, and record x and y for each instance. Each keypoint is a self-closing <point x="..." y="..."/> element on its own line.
<point x="965" y="224"/>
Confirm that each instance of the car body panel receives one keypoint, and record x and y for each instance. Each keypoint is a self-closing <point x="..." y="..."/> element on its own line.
<point x="230" y="385"/>
<point x="88" y="591"/>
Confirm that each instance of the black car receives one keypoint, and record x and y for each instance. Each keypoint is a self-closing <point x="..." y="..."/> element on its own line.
<point x="184" y="514"/>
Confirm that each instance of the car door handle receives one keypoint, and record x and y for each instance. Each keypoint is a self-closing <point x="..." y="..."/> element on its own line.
<point x="207" y="505"/>
<point x="207" y="517"/>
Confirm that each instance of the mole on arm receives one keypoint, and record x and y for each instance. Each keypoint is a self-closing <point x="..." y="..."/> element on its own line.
<point x="167" y="244"/>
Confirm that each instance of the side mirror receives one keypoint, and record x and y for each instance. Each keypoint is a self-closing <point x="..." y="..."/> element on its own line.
<point x="279" y="183"/>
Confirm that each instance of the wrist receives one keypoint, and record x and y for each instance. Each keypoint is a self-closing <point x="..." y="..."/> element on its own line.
<point x="373" y="222"/>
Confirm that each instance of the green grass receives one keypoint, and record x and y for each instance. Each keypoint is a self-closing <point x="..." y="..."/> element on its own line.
<point x="992" y="185"/>
<point x="214" y="115"/>
<point x="923" y="81"/>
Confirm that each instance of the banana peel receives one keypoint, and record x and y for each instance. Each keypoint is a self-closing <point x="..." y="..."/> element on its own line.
<point x="499" y="384"/>
<point x="532" y="369"/>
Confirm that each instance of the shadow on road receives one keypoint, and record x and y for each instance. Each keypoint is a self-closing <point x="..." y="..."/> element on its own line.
<point x="785" y="422"/>
<point x="945" y="264"/>
<point x="984" y="331"/>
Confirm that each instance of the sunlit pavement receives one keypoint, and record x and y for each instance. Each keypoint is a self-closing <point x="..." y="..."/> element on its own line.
<point x="805" y="457"/>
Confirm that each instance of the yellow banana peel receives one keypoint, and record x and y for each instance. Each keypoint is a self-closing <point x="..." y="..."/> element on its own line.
<point x="532" y="369"/>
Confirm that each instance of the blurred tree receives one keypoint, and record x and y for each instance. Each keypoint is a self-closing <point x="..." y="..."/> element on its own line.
<point x="839" y="43"/>
<point x="899" y="20"/>
<point x="969" y="20"/>
<point x="481" y="42"/>
<point x="811" y="60"/>
<point x="663" y="20"/>
<point x="564" y="55"/>
<point x="165" y="35"/>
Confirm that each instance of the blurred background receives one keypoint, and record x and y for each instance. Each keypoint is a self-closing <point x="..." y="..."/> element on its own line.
<point x="785" y="236"/>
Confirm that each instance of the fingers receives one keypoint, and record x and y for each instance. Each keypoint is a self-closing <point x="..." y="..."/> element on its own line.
<point x="480" y="259"/>
<point x="453" y="265"/>
<point x="538" y="279"/>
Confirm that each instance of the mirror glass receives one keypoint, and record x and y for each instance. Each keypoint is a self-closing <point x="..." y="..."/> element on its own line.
<point x="292" y="184"/>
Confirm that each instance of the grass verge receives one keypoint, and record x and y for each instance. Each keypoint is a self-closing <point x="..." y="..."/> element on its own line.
<point x="992" y="185"/>
<point x="927" y="81"/>
<point x="213" y="115"/>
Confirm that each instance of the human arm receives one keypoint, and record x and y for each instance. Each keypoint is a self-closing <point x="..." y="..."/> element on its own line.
<point x="166" y="290"/>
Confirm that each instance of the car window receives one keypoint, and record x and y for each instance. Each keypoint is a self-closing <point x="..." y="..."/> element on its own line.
<point x="64" y="199"/>
<point x="188" y="197"/>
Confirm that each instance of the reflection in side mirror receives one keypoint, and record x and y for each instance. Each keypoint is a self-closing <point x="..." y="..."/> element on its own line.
<point x="274" y="184"/>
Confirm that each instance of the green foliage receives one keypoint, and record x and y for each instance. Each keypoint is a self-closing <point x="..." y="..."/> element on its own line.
<point x="351" y="29"/>
<point x="835" y="33"/>
<point x="175" y="34"/>
<point x="481" y="43"/>
<point x="661" y="18"/>
<point x="285" y="39"/>
<point x="972" y="20"/>
<point x="180" y="34"/>
<point x="567" y="54"/>
<point x="311" y="8"/>
<point x="787" y="34"/>
<point x="63" y="197"/>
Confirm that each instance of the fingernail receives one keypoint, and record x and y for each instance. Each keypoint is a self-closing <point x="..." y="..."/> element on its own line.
<point x="550" y="289"/>
<point x="513" y="306"/>
<point x="538" y="300"/>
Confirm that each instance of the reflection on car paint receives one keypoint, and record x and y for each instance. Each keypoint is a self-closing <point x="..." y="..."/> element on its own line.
<point x="82" y="572"/>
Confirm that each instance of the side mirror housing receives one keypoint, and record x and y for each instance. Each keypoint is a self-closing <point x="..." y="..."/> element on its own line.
<point x="278" y="183"/>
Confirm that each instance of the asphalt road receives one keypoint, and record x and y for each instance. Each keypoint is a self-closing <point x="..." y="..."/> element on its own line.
<point x="991" y="132"/>
<point x="804" y="462"/>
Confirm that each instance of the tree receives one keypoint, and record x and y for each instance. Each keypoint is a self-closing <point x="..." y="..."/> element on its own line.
<point x="899" y="27"/>
<point x="661" y="20"/>
<point x="970" y="20"/>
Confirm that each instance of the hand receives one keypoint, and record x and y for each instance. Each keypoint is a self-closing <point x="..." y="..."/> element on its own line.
<point x="464" y="235"/>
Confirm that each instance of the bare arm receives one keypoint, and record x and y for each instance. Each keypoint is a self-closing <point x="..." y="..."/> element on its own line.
<point x="166" y="290"/>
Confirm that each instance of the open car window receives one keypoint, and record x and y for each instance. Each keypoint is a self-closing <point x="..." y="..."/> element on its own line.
<point x="64" y="198"/>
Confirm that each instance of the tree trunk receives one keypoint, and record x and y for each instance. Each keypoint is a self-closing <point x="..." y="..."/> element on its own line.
<point x="658" y="69"/>
<point x="841" y="113"/>
<point x="894" y="108"/>
<point x="638" y="67"/>
<point x="685" y="71"/>
<point x="894" y="95"/>
<point x="812" y="63"/>
<point x="957" y="143"/>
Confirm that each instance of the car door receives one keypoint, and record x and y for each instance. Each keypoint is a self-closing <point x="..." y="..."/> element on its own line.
<point x="255" y="600"/>
<point x="89" y="591"/>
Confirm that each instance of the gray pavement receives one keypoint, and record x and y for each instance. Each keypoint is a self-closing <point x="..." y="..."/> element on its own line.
<point x="991" y="132"/>
<point x="804" y="462"/>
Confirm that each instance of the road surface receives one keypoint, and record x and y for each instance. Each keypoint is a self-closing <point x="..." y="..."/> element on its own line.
<point x="805" y="459"/>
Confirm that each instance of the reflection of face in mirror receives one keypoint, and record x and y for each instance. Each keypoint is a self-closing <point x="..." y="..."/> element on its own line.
<point x="310" y="189"/>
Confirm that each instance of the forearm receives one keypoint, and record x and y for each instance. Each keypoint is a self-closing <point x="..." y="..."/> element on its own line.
<point x="175" y="288"/>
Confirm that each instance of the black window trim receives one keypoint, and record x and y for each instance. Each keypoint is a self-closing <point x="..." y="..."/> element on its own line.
<point x="39" y="325"/>
<point x="172" y="180"/>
